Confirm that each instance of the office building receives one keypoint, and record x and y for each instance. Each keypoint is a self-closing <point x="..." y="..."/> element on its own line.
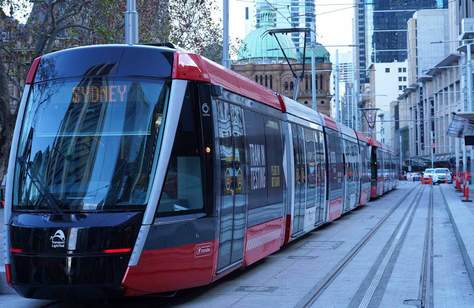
<point x="381" y="30"/>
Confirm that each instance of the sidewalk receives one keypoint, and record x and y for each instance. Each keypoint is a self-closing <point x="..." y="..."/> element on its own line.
<point x="462" y="216"/>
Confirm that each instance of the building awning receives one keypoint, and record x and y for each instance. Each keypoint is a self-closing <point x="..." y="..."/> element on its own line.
<point x="444" y="64"/>
<point x="462" y="125"/>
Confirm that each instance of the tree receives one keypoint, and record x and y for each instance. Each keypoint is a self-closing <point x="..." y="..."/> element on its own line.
<point x="193" y="28"/>
<point x="106" y="19"/>
<point x="6" y="120"/>
<point x="51" y="24"/>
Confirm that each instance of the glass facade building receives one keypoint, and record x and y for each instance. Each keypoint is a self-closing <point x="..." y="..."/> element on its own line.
<point x="289" y="13"/>
<point x="381" y="29"/>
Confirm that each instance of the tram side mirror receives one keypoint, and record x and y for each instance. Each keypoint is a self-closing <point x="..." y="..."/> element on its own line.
<point x="216" y="91"/>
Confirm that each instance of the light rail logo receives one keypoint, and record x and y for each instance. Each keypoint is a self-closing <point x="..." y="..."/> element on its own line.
<point x="58" y="239"/>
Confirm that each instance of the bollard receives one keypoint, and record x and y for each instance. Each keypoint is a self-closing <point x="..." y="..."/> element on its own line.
<point x="466" y="194"/>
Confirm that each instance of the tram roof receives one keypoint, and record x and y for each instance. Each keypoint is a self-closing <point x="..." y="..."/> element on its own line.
<point x="363" y="137"/>
<point x="294" y="108"/>
<point x="146" y="61"/>
<point x="190" y="66"/>
<point x="347" y="131"/>
<point x="330" y="123"/>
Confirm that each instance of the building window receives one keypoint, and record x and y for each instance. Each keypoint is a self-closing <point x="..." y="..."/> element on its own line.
<point x="286" y="85"/>
<point x="291" y="85"/>
<point x="399" y="69"/>
<point x="261" y="79"/>
<point x="321" y="82"/>
<point x="266" y="80"/>
<point x="271" y="81"/>
<point x="404" y="69"/>
<point x="387" y="70"/>
<point x="246" y="13"/>
<point x="400" y="88"/>
<point x="400" y="79"/>
<point x="306" y="83"/>
<point x="404" y="79"/>
<point x="256" y="78"/>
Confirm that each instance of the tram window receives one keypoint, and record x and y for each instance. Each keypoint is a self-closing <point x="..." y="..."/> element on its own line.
<point x="182" y="190"/>
<point x="310" y="167"/>
<point x="335" y="163"/>
<point x="257" y="154"/>
<point x="274" y="151"/>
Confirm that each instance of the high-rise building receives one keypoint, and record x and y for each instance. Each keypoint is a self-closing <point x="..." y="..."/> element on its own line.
<point x="359" y="41"/>
<point x="381" y="30"/>
<point x="289" y="14"/>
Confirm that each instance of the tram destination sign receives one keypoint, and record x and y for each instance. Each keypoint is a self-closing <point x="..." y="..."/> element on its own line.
<point x="100" y="94"/>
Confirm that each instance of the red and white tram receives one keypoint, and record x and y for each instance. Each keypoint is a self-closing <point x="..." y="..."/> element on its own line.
<point x="143" y="169"/>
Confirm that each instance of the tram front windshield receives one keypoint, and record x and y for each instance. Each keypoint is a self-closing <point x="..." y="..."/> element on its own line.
<point x="89" y="144"/>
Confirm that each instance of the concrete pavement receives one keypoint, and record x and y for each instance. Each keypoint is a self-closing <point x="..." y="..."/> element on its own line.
<point x="415" y="255"/>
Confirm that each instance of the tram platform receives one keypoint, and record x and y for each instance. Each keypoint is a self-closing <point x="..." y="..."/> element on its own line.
<point x="414" y="246"/>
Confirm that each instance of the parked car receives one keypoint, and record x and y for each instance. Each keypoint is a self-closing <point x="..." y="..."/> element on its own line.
<point x="444" y="175"/>
<point x="430" y="173"/>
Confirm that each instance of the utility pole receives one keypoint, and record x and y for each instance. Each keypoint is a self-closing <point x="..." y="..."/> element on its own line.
<point x="336" y="86"/>
<point x="400" y="150"/>
<point x="432" y="148"/>
<point x="225" y="36"/>
<point x="356" y="100"/>
<point x="470" y="106"/>
<point x="314" y="99"/>
<point x="131" y="23"/>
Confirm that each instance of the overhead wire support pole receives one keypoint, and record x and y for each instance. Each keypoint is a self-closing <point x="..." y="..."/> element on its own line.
<point x="225" y="36"/>
<point x="336" y="86"/>
<point x="297" y="78"/>
<point x="314" y="100"/>
<point x="131" y="23"/>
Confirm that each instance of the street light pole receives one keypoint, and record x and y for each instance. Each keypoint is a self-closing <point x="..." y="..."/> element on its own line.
<point x="225" y="36"/>
<point x="131" y="23"/>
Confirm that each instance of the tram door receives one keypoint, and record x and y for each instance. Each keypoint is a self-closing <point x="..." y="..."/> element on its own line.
<point x="300" y="179"/>
<point x="321" y="177"/>
<point x="233" y="197"/>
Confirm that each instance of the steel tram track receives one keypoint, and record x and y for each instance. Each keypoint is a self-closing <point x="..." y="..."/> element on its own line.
<point x="312" y="296"/>
<point x="425" y="293"/>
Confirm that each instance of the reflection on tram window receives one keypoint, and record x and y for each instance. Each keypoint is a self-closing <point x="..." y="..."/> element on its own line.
<point x="89" y="144"/>
<point x="182" y="190"/>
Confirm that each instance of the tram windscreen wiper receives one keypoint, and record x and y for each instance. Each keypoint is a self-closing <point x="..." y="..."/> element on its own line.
<point x="53" y="203"/>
